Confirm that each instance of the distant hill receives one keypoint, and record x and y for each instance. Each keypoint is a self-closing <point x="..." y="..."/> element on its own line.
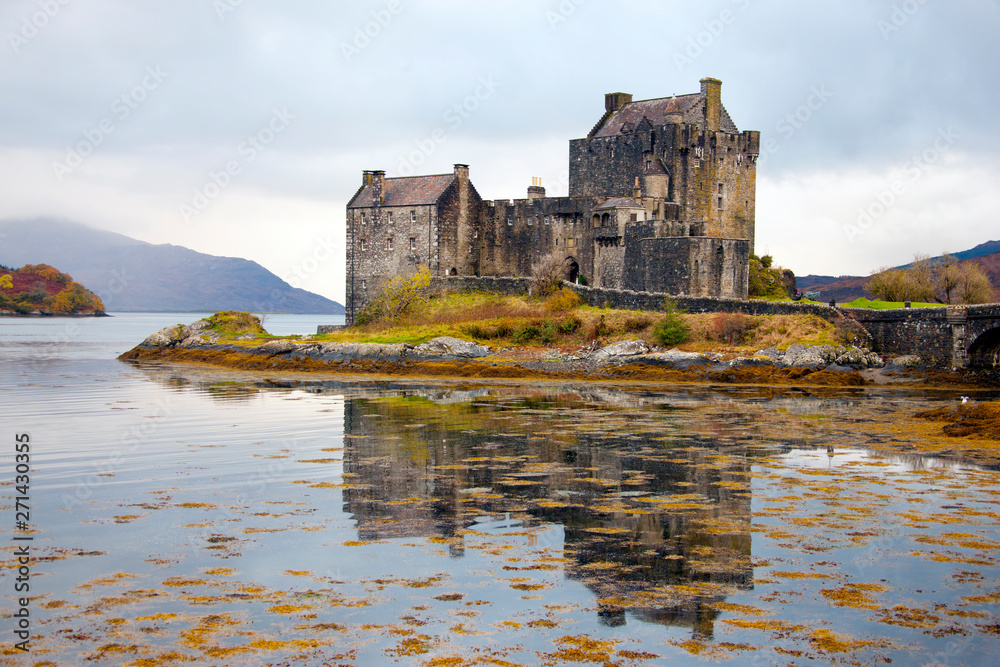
<point x="132" y="275"/>
<point x="849" y="288"/>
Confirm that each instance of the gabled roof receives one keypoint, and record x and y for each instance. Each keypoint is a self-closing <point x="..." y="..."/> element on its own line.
<point x="619" y="202"/>
<point x="405" y="191"/>
<point x="637" y="116"/>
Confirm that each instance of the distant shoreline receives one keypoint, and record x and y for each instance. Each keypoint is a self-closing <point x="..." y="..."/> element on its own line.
<point x="53" y="315"/>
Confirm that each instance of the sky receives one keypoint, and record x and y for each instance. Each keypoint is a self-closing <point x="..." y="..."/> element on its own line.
<point x="241" y="127"/>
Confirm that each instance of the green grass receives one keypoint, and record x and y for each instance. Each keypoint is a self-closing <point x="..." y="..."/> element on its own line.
<point x="886" y="305"/>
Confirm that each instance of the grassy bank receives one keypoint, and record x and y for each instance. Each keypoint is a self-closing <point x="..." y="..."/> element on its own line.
<point x="561" y="320"/>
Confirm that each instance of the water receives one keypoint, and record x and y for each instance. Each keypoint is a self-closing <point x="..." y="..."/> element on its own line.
<point x="189" y="514"/>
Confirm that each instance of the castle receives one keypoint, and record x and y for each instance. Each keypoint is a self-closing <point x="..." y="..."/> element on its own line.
<point x="661" y="199"/>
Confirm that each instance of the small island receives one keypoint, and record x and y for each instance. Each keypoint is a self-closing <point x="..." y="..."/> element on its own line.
<point x="42" y="290"/>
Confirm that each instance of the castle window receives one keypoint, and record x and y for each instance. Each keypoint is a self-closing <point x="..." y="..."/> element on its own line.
<point x="413" y="243"/>
<point x="510" y="221"/>
<point x="362" y="218"/>
<point x="720" y="202"/>
<point x="597" y="221"/>
<point x="635" y="217"/>
<point x="362" y="245"/>
<point x="531" y="220"/>
<point x="720" y="189"/>
<point x="546" y="220"/>
<point x="364" y="284"/>
<point x="413" y="216"/>
<point x="388" y="243"/>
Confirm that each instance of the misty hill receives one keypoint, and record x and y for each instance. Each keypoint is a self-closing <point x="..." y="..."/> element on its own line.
<point x="132" y="275"/>
<point x="848" y="288"/>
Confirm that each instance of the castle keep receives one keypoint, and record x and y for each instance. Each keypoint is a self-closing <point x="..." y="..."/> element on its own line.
<point x="661" y="199"/>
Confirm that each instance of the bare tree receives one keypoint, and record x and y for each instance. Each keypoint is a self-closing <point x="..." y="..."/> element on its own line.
<point x="948" y="277"/>
<point x="974" y="285"/>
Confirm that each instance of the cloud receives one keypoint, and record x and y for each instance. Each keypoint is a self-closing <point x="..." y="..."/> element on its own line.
<point x="417" y="64"/>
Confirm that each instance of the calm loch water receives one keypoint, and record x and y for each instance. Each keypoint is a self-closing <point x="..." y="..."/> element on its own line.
<point x="192" y="516"/>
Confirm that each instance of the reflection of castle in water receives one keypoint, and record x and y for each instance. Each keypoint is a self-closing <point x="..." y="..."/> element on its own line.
<point x="654" y="526"/>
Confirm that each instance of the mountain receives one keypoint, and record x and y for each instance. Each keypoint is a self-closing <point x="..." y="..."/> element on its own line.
<point x="849" y="288"/>
<point x="132" y="275"/>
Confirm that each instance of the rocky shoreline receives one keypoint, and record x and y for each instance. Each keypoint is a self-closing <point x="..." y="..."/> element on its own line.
<point x="803" y="365"/>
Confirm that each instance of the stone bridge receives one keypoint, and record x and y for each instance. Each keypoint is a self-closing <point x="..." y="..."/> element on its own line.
<point x="955" y="336"/>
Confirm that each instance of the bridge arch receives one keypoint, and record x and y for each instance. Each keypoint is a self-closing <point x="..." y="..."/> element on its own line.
<point x="985" y="350"/>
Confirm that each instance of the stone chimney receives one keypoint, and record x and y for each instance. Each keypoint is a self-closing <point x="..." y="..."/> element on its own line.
<point x="637" y="190"/>
<point x="535" y="190"/>
<point x="462" y="172"/>
<point x="378" y="184"/>
<point x="711" y="90"/>
<point x="615" y="101"/>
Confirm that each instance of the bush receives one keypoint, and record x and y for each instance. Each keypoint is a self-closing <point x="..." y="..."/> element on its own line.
<point x="634" y="324"/>
<point x="570" y="326"/>
<point x="396" y="298"/>
<point x="671" y="329"/>
<point x="547" y="275"/>
<point x="547" y="334"/>
<point x="525" y="334"/>
<point x="730" y="328"/>
<point x="850" y="332"/>
<point x="564" y="299"/>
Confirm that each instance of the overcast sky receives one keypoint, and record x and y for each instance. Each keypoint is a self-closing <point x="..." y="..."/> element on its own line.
<point x="241" y="127"/>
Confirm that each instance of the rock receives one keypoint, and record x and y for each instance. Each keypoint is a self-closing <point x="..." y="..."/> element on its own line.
<point x="677" y="359"/>
<point x="751" y="362"/>
<point x="806" y="356"/>
<point x="194" y="341"/>
<point x="851" y="357"/>
<point x="168" y="336"/>
<point x="199" y="326"/>
<point x="906" y="361"/>
<point x="273" y="347"/>
<point x="625" y="348"/>
<point x="771" y="352"/>
<point x="452" y="347"/>
<point x="837" y="368"/>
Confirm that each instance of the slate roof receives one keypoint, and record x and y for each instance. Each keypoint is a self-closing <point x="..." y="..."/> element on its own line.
<point x="619" y="202"/>
<point x="631" y="117"/>
<point x="405" y="191"/>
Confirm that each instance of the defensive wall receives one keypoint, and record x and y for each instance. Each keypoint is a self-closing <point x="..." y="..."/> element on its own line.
<point x="953" y="336"/>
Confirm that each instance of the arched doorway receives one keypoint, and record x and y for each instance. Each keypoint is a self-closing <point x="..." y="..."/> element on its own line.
<point x="985" y="351"/>
<point x="572" y="269"/>
<point x="453" y="272"/>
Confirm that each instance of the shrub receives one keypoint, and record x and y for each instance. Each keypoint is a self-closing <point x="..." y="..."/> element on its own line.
<point x="634" y="324"/>
<point x="396" y="298"/>
<point x="547" y="275"/>
<point x="730" y="328"/>
<point x="599" y="328"/>
<point x="525" y="334"/>
<point x="850" y="332"/>
<point x="570" y="325"/>
<point x="671" y="329"/>
<point x="547" y="334"/>
<point x="564" y="299"/>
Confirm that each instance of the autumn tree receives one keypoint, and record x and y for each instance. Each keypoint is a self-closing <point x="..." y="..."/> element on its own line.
<point x="973" y="284"/>
<point x="6" y="281"/>
<point x="949" y="276"/>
